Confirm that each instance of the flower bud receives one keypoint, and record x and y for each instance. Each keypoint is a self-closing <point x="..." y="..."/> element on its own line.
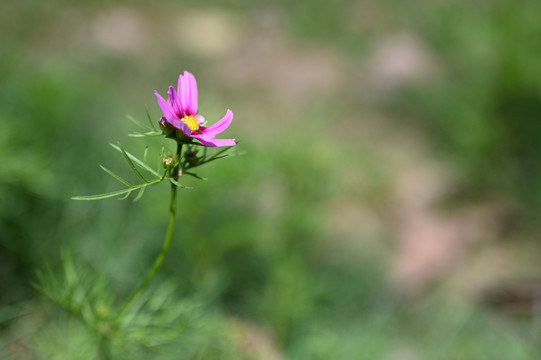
<point x="168" y="161"/>
<point x="191" y="157"/>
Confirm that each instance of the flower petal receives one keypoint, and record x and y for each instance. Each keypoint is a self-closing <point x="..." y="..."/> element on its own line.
<point x="166" y="108"/>
<point x="219" y="126"/>
<point x="187" y="91"/>
<point x="179" y="124"/>
<point x="209" y="141"/>
<point x="174" y="102"/>
<point x="182" y="92"/>
<point x="192" y="97"/>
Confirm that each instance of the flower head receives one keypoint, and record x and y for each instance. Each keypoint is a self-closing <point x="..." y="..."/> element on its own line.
<point x="180" y="112"/>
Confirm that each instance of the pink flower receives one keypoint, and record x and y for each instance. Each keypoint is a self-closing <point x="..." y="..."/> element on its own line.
<point x="181" y="113"/>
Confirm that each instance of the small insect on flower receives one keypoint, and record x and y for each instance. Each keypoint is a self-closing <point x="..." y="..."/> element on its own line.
<point x="180" y="113"/>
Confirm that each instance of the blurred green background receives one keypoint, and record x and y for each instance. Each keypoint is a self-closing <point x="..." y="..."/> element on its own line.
<point x="385" y="206"/>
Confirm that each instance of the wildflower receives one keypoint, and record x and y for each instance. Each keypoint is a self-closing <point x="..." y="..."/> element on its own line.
<point x="180" y="112"/>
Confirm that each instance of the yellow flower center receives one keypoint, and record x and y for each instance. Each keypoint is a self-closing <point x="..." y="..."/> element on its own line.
<point x="192" y="121"/>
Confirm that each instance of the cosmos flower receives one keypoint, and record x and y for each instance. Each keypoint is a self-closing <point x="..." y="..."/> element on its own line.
<point x="181" y="113"/>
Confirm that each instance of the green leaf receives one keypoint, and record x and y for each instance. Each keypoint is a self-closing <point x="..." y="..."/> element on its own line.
<point x="138" y="123"/>
<point x="194" y="175"/>
<point x="125" y="196"/>
<point x="140" y="195"/>
<point x="221" y="152"/>
<point x="207" y="161"/>
<point x="138" y="162"/>
<point x="150" y="120"/>
<point x="132" y="165"/>
<point x="216" y="156"/>
<point x="104" y="195"/>
<point x="150" y="133"/>
<point x="116" y="193"/>
<point x="179" y="184"/>
<point x="116" y="176"/>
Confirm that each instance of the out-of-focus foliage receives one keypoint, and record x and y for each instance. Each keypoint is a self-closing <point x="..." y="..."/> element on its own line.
<point x="484" y="111"/>
<point x="256" y="243"/>
<point x="157" y="324"/>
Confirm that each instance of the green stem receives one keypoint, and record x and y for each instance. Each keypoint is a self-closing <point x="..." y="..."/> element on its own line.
<point x="167" y="242"/>
<point x="104" y="348"/>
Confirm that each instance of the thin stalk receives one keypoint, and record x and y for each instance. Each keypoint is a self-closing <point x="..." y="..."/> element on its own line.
<point x="104" y="348"/>
<point x="167" y="242"/>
